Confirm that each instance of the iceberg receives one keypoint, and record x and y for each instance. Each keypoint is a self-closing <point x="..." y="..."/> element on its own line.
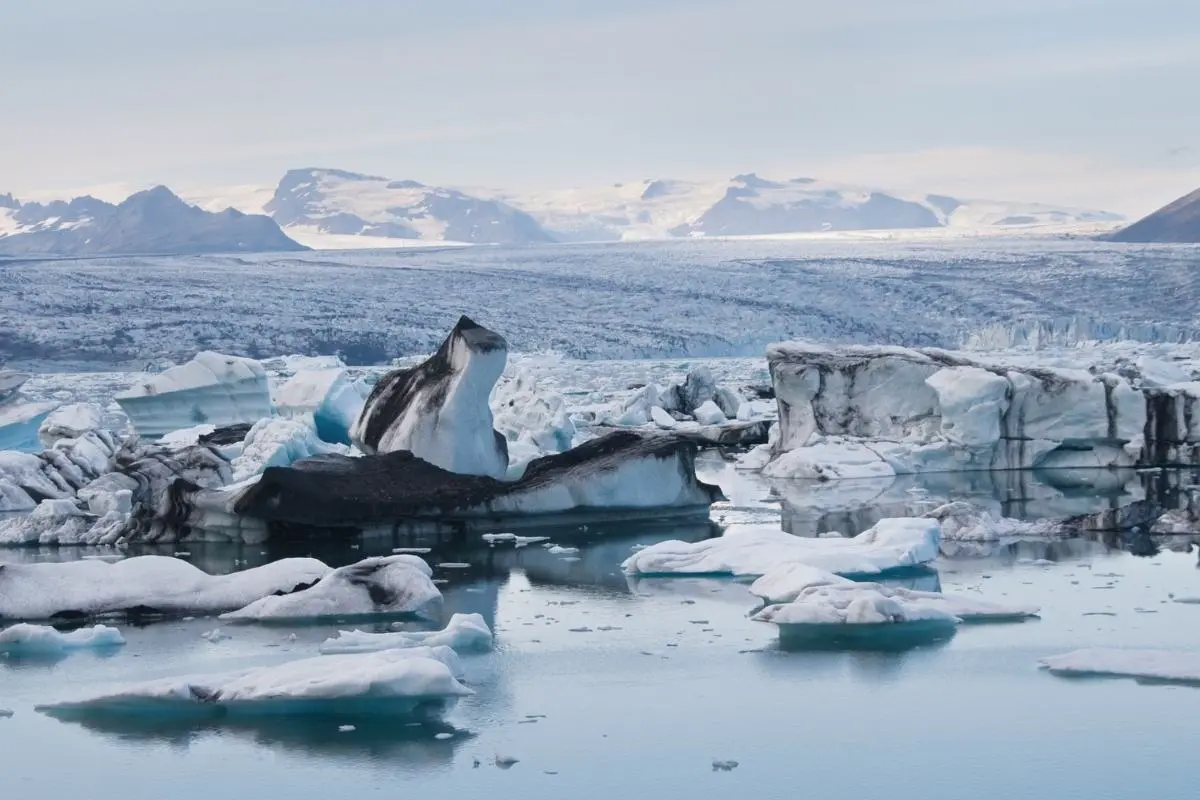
<point x="850" y="603"/>
<point x="438" y="410"/>
<point x="621" y="474"/>
<point x="19" y="424"/>
<point x="23" y="640"/>
<point x="380" y="586"/>
<point x="211" y="388"/>
<point x="59" y="522"/>
<point x="277" y="442"/>
<point x="964" y="522"/>
<point x="156" y="585"/>
<point x="70" y="422"/>
<point x="329" y="395"/>
<point x="1168" y="666"/>
<point x="929" y="410"/>
<point x="419" y="682"/>
<point x="463" y="633"/>
<point x="891" y="545"/>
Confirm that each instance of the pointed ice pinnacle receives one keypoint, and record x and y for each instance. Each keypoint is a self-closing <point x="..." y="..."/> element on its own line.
<point x="438" y="410"/>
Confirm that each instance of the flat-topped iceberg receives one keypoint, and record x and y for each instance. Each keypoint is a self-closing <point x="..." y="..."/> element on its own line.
<point x="380" y="586"/>
<point x="211" y="388"/>
<point x="850" y="603"/>
<point x="142" y="585"/>
<point x="890" y="545"/>
<point x="419" y="682"/>
<point x="1168" y="666"/>
<point x="875" y="409"/>
<point x="463" y="633"/>
<point x="24" y="640"/>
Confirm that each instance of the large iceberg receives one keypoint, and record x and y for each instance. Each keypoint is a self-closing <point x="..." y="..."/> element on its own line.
<point x="891" y="545"/>
<point x="381" y="586"/>
<point x="906" y="410"/>
<point x="211" y="388"/>
<point x="24" y="640"/>
<point x="156" y="585"/>
<point x="463" y="633"/>
<point x="623" y="473"/>
<point x="420" y="682"/>
<point x="438" y="410"/>
<point x="1167" y="666"/>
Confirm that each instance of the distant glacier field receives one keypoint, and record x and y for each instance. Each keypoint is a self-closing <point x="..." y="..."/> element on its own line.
<point x="661" y="299"/>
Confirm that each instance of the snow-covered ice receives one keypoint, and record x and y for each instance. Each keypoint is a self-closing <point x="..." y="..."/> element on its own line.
<point x="890" y="545"/>
<point x="392" y="682"/>
<point x="211" y="388"/>
<point x="1152" y="665"/>
<point x="379" y="586"/>
<point x="23" y="640"/>
<point x="277" y="442"/>
<point x="70" y="422"/>
<point x="158" y="584"/>
<point x="463" y="633"/>
<point x="847" y="602"/>
<point x="19" y="425"/>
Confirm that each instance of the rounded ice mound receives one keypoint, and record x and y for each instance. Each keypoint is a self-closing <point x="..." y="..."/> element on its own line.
<point x="25" y="640"/>
<point x="463" y="633"/>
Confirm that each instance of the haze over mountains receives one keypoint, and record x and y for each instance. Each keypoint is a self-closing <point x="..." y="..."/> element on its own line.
<point x="333" y="208"/>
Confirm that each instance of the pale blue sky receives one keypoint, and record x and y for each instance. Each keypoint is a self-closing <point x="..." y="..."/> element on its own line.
<point x="1090" y="102"/>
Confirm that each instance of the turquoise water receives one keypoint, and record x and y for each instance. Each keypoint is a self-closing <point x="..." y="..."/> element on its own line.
<point x="669" y="676"/>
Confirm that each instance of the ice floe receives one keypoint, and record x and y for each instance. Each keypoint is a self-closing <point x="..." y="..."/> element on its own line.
<point x="211" y="388"/>
<point x="1150" y="665"/>
<point x="25" y="640"/>
<point x="144" y="584"/>
<point x="379" y="586"/>
<point x="890" y="545"/>
<point x="463" y="633"/>
<point x="418" y="681"/>
<point x="847" y="602"/>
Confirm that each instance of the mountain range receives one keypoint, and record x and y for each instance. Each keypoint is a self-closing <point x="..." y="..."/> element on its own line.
<point x="1175" y="223"/>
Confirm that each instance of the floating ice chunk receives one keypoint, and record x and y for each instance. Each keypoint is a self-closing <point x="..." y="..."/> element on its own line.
<point x="19" y="425"/>
<point x="70" y="422"/>
<point x="211" y="388"/>
<point x="383" y="585"/>
<point x="419" y="680"/>
<point x="51" y="522"/>
<point x="41" y="640"/>
<point x="709" y="413"/>
<point x="559" y="550"/>
<point x="463" y="633"/>
<point x="512" y="538"/>
<point x="159" y="583"/>
<point x="831" y="459"/>
<point x="1152" y="665"/>
<point x="891" y="544"/>
<point x="277" y="442"/>
<point x="330" y="396"/>
<point x="962" y="521"/>
<point x="848" y="603"/>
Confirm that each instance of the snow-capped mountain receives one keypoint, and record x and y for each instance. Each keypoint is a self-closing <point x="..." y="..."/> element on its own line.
<point x="748" y="205"/>
<point x="333" y="201"/>
<point x="1176" y="222"/>
<point x="150" y="222"/>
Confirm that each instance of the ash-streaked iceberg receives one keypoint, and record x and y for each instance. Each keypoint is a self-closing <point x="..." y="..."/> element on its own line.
<point x="463" y="633"/>
<point x="417" y="683"/>
<point x="397" y="585"/>
<point x="211" y="389"/>
<point x="890" y="545"/>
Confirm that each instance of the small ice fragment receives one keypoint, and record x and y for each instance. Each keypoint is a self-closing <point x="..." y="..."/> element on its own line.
<point x="580" y="630"/>
<point x="214" y="636"/>
<point x="443" y="736"/>
<point x="412" y="550"/>
<point x="346" y="728"/>
<point x="5" y="713"/>
<point x="570" y="558"/>
<point x="505" y="762"/>
<point x="183" y="554"/>
<point x="723" y="766"/>
<point x="453" y="565"/>
<point x="559" y="550"/>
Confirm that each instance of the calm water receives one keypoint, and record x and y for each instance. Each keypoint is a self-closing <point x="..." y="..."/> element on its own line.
<point x="670" y="675"/>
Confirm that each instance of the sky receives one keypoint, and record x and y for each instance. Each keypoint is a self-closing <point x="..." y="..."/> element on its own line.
<point x="1082" y="102"/>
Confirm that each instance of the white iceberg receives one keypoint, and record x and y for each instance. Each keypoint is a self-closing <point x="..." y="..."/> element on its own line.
<point x="332" y="398"/>
<point x="1151" y="665"/>
<point x="964" y="522"/>
<point x="277" y="442"/>
<point x="19" y="424"/>
<point x="379" y="586"/>
<point x="419" y="681"/>
<point x="834" y="458"/>
<point x="463" y="633"/>
<point x="153" y="584"/>
<point x="70" y="422"/>
<point x="59" y="522"/>
<point x="891" y="544"/>
<point x="849" y="603"/>
<point x="211" y="388"/>
<point x="24" y="640"/>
